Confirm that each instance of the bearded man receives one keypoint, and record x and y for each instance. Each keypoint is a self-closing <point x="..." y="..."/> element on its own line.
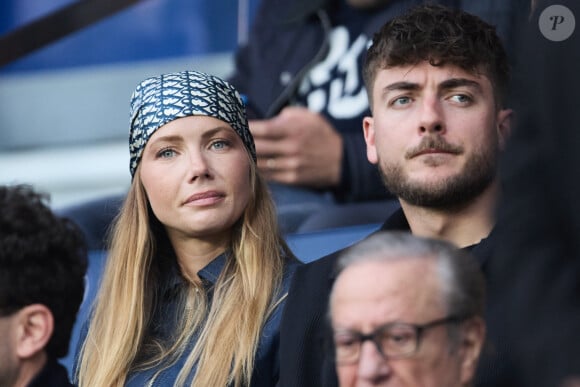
<point x="437" y="81"/>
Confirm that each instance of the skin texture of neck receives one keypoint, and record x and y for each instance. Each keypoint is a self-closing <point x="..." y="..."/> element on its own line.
<point x="463" y="226"/>
<point x="194" y="254"/>
<point x="29" y="369"/>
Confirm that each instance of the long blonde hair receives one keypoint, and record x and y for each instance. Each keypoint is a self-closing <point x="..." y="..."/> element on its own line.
<point x="229" y="329"/>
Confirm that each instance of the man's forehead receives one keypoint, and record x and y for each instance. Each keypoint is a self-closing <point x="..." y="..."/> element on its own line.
<point x="397" y="278"/>
<point x="374" y="293"/>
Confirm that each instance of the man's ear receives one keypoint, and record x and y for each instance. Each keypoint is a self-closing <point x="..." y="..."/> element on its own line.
<point x="472" y="339"/>
<point x="369" y="134"/>
<point x="504" y="126"/>
<point x="35" y="327"/>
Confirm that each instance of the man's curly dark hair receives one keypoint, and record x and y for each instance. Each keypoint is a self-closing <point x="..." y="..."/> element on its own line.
<point x="440" y="36"/>
<point x="43" y="260"/>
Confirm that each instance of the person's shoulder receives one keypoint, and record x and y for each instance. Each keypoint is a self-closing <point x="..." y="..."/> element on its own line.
<point x="313" y="279"/>
<point x="290" y="267"/>
<point x="320" y="268"/>
<point x="52" y="374"/>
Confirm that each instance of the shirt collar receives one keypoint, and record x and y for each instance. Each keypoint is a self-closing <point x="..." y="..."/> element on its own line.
<point x="397" y="221"/>
<point x="211" y="271"/>
<point x="208" y="274"/>
<point x="481" y="250"/>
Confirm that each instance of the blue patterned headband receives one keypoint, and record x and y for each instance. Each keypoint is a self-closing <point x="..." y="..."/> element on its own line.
<point x="162" y="99"/>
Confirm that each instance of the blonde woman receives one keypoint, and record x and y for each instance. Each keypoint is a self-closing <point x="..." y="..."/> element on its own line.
<point x="197" y="272"/>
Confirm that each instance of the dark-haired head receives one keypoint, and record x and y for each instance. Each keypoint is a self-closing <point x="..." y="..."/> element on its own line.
<point x="43" y="260"/>
<point x="441" y="36"/>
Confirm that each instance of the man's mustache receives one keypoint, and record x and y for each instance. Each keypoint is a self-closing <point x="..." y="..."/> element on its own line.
<point x="433" y="143"/>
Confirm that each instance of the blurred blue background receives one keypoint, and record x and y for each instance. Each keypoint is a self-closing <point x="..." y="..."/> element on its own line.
<point x="150" y="29"/>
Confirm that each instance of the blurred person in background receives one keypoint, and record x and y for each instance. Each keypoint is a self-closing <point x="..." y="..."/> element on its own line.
<point x="537" y="259"/>
<point x="43" y="260"/>
<point x="390" y="329"/>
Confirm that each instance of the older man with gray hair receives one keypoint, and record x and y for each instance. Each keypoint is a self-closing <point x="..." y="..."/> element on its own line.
<point x="407" y="311"/>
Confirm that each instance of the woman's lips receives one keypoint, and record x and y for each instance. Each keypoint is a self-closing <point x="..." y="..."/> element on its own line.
<point x="205" y="198"/>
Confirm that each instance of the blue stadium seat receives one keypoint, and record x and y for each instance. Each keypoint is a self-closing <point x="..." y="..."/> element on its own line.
<point x="309" y="246"/>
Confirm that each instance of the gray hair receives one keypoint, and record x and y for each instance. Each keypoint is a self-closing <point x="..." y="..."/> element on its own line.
<point x="460" y="275"/>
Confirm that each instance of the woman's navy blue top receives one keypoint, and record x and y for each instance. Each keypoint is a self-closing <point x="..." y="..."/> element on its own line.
<point x="266" y="365"/>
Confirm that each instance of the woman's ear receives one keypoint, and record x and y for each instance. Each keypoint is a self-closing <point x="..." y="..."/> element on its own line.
<point x="35" y="325"/>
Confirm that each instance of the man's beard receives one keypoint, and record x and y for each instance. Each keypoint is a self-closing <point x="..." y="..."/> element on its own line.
<point x="452" y="192"/>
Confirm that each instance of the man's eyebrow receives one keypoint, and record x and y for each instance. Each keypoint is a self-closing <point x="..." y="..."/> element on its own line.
<point x="401" y="86"/>
<point x="459" y="82"/>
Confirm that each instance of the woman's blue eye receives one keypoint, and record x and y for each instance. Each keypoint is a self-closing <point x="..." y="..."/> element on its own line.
<point x="166" y="153"/>
<point x="220" y="144"/>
